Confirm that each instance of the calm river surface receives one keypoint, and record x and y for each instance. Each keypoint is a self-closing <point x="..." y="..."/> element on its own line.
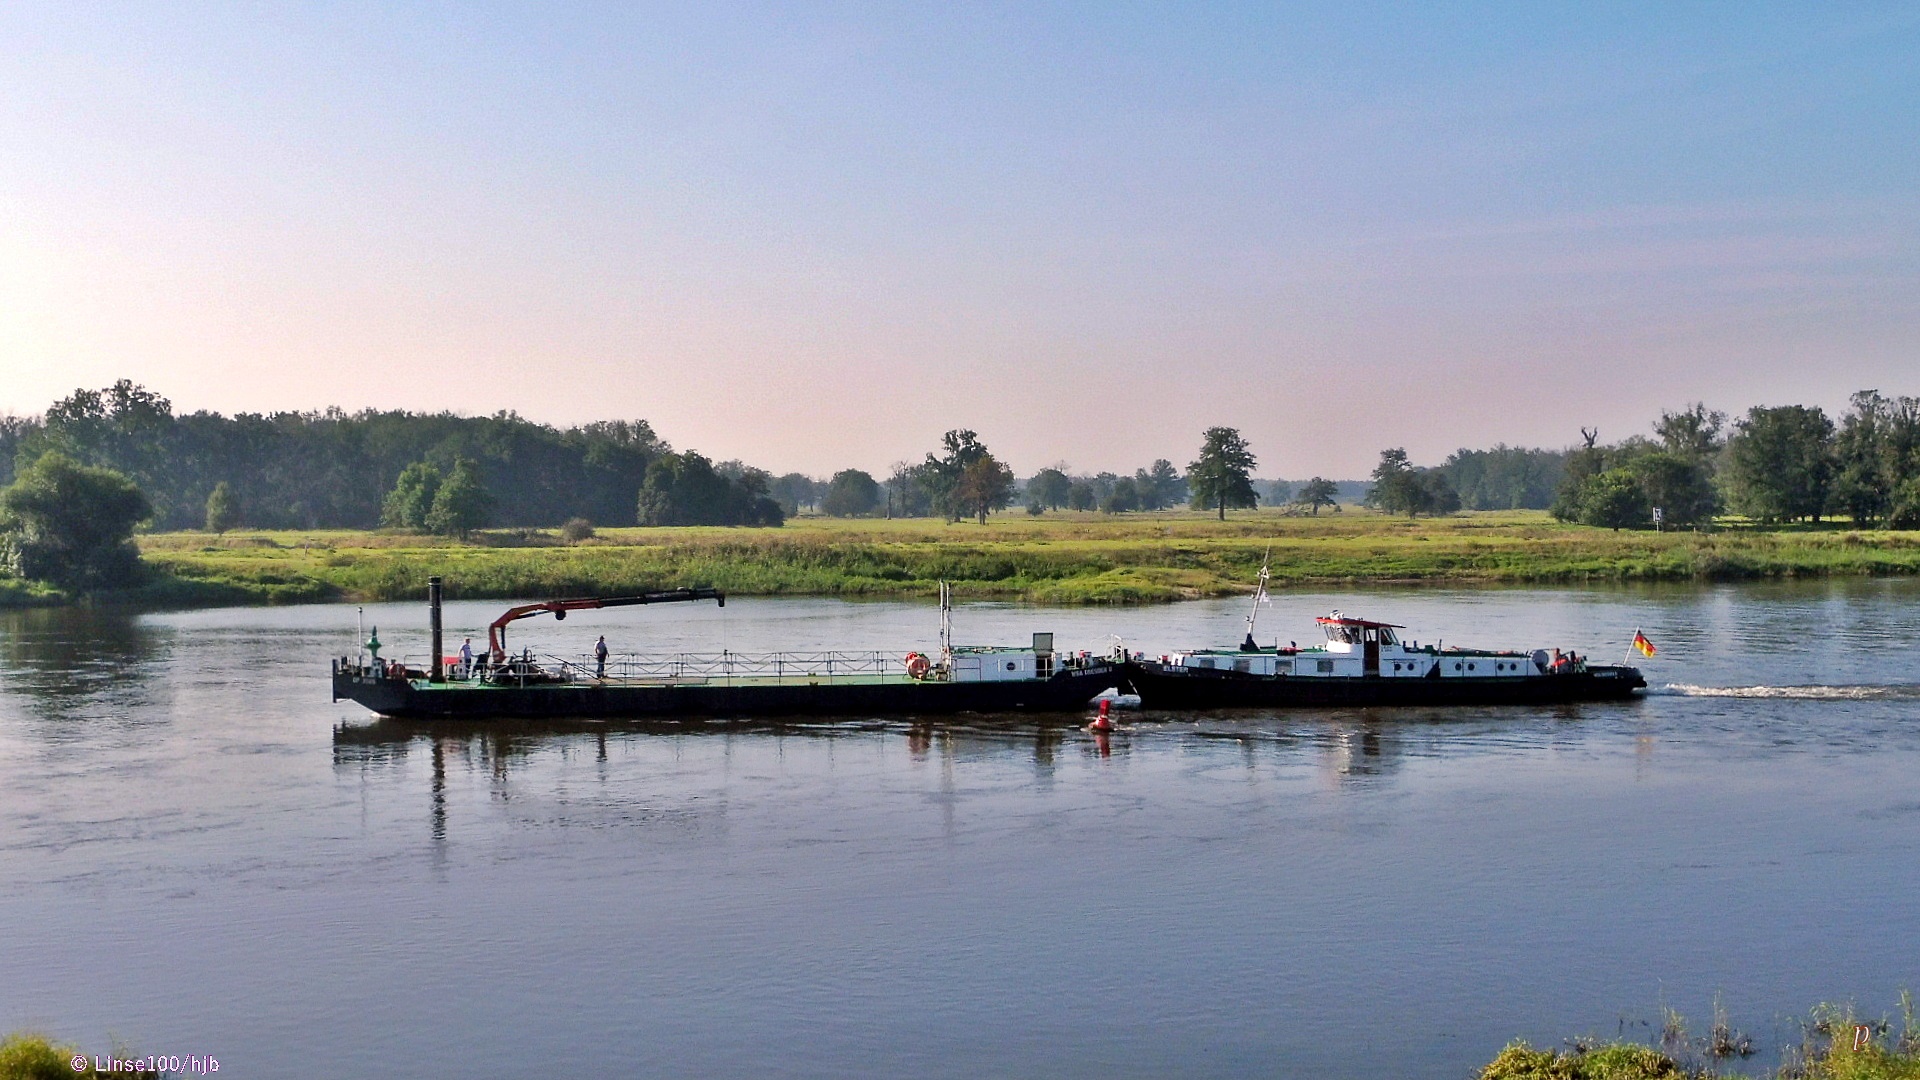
<point x="199" y="853"/>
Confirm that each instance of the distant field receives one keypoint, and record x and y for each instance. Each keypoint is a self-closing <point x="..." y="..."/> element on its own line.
<point x="1058" y="558"/>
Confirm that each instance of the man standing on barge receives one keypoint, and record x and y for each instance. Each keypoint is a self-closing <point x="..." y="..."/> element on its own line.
<point x="600" y="658"/>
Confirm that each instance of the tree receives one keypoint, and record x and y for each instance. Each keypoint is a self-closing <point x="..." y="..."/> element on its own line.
<point x="1081" y="496"/>
<point x="1681" y="486"/>
<point x="1615" y="500"/>
<point x="794" y="492"/>
<point x="223" y="509"/>
<point x="1399" y="487"/>
<point x="1316" y="493"/>
<point x="1505" y="477"/>
<point x="1396" y="487"/>
<point x="942" y="475"/>
<point x="1159" y="485"/>
<point x="984" y="485"/>
<point x="1437" y="495"/>
<point x="685" y="489"/>
<point x="411" y="500"/>
<point x="1780" y="463"/>
<point x="461" y="503"/>
<point x="1124" y="498"/>
<point x="1221" y="476"/>
<point x="1693" y="432"/>
<point x="1876" y="452"/>
<point x="1582" y="464"/>
<point x="1279" y="493"/>
<point x="850" y="493"/>
<point x="1049" y="488"/>
<point x="71" y="525"/>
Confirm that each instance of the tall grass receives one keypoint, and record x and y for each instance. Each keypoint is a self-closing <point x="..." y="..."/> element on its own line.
<point x="1067" y="558"/>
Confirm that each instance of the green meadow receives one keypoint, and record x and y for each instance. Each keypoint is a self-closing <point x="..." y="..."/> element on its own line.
<point x="1065" y="558"/>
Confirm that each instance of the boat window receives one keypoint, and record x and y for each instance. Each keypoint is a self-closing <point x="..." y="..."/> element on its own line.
<point x="1325" y="666"/>
<point x="1240" y="665"/>
<point x="1283" y="667"/>
<point x="1386" y="636"/>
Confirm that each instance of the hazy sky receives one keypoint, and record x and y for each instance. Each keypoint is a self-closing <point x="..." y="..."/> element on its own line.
<point x="816" y="236"/>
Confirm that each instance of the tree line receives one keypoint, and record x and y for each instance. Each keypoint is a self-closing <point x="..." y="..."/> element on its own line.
<point x="1773" y="465"/>
<point x="332" y="469"/>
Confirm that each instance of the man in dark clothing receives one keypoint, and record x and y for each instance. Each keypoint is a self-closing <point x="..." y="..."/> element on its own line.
<point x="600" y="658"/>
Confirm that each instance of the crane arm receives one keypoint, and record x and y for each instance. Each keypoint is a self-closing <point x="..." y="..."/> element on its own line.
<point x="497" y="631"/>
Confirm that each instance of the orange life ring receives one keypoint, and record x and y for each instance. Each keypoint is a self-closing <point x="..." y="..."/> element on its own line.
<point x="918" y="665"/>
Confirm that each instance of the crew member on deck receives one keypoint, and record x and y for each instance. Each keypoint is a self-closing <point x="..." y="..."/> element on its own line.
<point x="600" y="658"/>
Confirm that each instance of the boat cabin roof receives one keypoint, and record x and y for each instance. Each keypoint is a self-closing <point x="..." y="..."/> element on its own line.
<point x="1341" y="620"/>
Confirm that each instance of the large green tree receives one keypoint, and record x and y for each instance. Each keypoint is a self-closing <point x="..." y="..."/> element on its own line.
<point x="1316" y="493"/>
<point x="1399" y="488"/>
<point x="942" y="475"/>
<point x="1049" y="488"/>
<point x="984" y="486"/>
<point x="1876" y="453"/>
<point x="1222" y="476"/>
<point x="851" y="493"/>
<point x="1614" y="499"/>
<point x="462" y="502"/>
<point x="223" y="509"/>
<point x="1679" y="484"/>
<point x="1159" y="485"/>
<point x="1780" y="463"/>
<point x="411" y="500"/>
<point x="685" y="489"/>
<point x="71" y="525"/>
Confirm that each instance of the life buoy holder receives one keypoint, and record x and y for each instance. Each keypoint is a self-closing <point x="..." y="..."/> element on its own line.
<point x="918" y="665"/>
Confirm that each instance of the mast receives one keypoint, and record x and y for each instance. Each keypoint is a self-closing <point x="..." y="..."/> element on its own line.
<point x="1259" y="597"/>
<point x="946" y="622"/>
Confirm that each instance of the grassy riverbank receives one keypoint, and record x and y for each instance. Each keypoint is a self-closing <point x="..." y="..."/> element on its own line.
<point x="1058" y="558"/>
<point x="1835" y="1045"/>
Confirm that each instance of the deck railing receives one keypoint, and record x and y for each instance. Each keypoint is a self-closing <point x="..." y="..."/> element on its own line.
<point x="684" y="667"/>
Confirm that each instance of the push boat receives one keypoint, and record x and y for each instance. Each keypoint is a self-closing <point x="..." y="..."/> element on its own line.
<point x="1031" y="678"/>
<point x="1364" y="662"/>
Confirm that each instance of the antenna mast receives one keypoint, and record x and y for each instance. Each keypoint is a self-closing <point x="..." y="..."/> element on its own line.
<point x="1259" y="597"/>
<point x="946" y="621"/>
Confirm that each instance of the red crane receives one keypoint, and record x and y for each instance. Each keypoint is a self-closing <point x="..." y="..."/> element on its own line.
<point x="497" y="632"/>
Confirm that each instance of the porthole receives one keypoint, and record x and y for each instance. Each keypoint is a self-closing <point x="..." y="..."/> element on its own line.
<point x="1456" y="665"/>
<point x="1009" y="665"/>
<point x="1469" y="667"/>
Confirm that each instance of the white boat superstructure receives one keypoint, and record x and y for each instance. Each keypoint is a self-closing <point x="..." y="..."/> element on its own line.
<point x="1360" y="648"/>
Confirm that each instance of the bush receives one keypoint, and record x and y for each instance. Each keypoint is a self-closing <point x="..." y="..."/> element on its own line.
<point x="36" y="1057"/>
<point x="1613" y="1061"/>
<point x="71" y="525"/>
<point x="576" y="530"/>
<point x="223" y="509"/>
<point x="461" y="503"/>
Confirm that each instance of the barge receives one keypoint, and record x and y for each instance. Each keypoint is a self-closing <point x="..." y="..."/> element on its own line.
<point x="1362" y="663"/>
<point x="953" y="679"/>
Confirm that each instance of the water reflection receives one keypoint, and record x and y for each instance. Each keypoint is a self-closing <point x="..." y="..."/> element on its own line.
<point x="71" y="661"/>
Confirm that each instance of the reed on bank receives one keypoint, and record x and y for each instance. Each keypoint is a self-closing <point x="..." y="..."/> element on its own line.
<point x="1063" y="558"/>
<point x="1836" y="1044"/>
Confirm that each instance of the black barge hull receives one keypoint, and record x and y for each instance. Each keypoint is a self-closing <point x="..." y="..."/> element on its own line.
<point x="1170" y="686"/>
<point x="1066" y="691"/>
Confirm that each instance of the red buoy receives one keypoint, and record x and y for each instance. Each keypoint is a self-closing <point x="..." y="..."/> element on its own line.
<point x="1102" y="722"/>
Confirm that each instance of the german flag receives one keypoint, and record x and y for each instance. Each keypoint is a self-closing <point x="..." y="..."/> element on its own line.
<point x="1642" y="645"/>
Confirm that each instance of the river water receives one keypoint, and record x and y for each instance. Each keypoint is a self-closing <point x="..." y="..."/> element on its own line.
<point x="200" y="854"/>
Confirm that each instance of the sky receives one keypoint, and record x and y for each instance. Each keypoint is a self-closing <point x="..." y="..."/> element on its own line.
<point x="816" y="236"/>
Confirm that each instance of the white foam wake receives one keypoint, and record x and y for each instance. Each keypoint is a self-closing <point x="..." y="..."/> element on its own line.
<point x="1803" y="693"/>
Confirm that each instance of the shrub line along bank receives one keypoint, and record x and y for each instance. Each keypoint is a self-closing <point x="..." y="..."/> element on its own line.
<point x="1059" y="560"/>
